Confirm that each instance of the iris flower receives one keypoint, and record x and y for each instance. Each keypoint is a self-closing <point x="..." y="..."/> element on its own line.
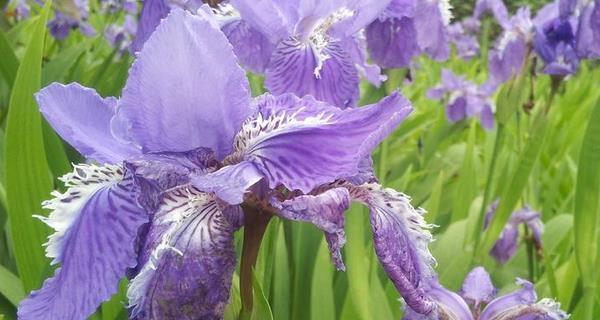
<point x="588" y="31"/>
<point x="478" y="301"/>
<point x="506" y="246"/>
<point x="302" y="47"/>
<point x="465" y="99"/>
<point x="495" y="7"/>
<point x="185" y="158"/>
<point x="408" y="28"/>
<point x="71" y="15"/>
<point x="464" y="36"/>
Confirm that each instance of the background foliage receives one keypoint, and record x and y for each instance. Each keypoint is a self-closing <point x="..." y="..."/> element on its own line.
<point x="550" y="161"/>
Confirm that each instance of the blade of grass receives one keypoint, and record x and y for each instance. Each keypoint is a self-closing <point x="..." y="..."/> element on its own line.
<point x="10" y="286"/>
<point x="28" y="181"/>
<point x="9" y="62"/>
<point x="322" y="303"/>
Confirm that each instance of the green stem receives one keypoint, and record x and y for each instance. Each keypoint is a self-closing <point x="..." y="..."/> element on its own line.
<point x="256" y="222"/>
<point x="588" y="302"/>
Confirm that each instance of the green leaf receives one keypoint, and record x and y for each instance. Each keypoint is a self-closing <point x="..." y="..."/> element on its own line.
<point x="10" y="286"/>
<point x="281" y="286"/>
<point x="9" y="62"/>
<point x="518" y="180"/>
<point x="28" y="181"/>
<point x="322" y="304"/>
<point x="465" y="189"/>
<point x="261" y="309"/>
<point x="57" y="68"/>
<point x="357" y="261"/>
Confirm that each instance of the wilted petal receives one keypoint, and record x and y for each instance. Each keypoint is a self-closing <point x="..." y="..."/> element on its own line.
<point x="190" y="260"/>
<point x="82" y="118"/>
<point x="301" y="143"/>
<point x="229" y="183"/>
<point x="327" y="73"/>
<point x="326" y="212"/>
<point x="401" y="238"/>
<point x="252" y="48"/>
<point x="448" y="305"/>
<point x="477" y="289"/>
<point x="392" y="42"/>
<point x="152" y="12"/>
<point x="96" y="222"/>
<point x="520" y="305"/>
<point x="185" y="90"/>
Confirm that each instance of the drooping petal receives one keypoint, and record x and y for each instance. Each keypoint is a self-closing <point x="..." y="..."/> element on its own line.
<point x="448" y="305"/>
<point x="96" y="222"/>
<point x="392" y="42"/>
<point x="457" y="109"/>
<point x="326" y="212"/>
<point x="168" y="106"/>
<point x="327" y="73"/>
<point x="152" y="12"/>
<point x="251" y="46"/>
<point x="190" y="260"/>
<point x="82" y="118"/>
<point x="401" y="238"/>
<point x="478" y="289"/>
<point x="229" y="183"/>
<point x="301" y="143"/>
<point x="521" y="305"/>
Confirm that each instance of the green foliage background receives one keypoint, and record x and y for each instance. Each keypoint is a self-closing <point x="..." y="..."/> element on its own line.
<point x="548" y="160"/>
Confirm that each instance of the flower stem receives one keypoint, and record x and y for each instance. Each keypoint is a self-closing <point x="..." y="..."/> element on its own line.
<point x="256" y="222"/>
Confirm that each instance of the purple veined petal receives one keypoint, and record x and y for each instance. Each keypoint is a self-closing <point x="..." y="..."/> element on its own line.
<point x="478" y="289"/>
<point x="392" y="42"/>
<point x="81" y="117"/>
<point x="457" y="109"/>
<point x="274" y="19"/>
<point x="326" y="212"/>
<point x="229" y="183"/>
<point x="96" y="222"/>
<point x="521" y="305"/>
<point x="253" y="49"/>
<point x="326" y="73"/>
<point x="363" y="13"/>
<point x="190" y="260"/>
<point x="431" y="23"/>
<point x="302" y="148"/>
<point x="198" y="100"/>
<point x="366" y="172"/>
<point x="356" y="47"/>
<point x="449" y="305"/>
<point x="152" y="12"/>
<point x="401" y="238"/>
<point x="495" y="7"/>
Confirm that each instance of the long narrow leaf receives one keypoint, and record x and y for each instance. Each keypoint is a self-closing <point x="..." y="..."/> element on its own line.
<point x="9" y="63"/>
<point x="10" y="286"/>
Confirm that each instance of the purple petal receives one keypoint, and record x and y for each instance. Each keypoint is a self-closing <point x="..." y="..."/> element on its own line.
<point x="327" y="73"/>
<point x="326" y="212"/>
<point x="392" y="42"/>
<point x="81" y="117"/>
<point x="495" y="7"/>
<point x="457" y="109"/>
<point x="477" y="289"/>
<point x="152" y="12"/>
<point x="588" y="31"/>
<point x="229" y="183"/>
<point x="449" y="305"/>
<point x="191" y="259"/>
<point x="302" y="148"/>
<point x="96" y="222"/>
<point x="251" y="47"/>
<point x="506" y="246"/>
<point x="274" y="19"/>
<point x="401" y="238"/>
<point x="431" y="23"/>
<point x="487" y="117"/>
<point x="363" y="13"/>
<point x="199" y="99"/>
<point x="356" y="47"/>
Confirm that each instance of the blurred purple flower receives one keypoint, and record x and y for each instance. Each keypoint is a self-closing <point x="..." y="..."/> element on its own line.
<point x="494" y="7"/>
<point x="465" y="99"/>
<point x="72" y="15"/>
<point x="464" y="36"/>
<point x="478" y="291"/>
<point x="121" y="36"/>
<point x="510" y="52"/>
<point x="408" y="28"/>
<point x="588" y="31"/>
<point x="180" y="153"/>
<point x="507" y="244"/>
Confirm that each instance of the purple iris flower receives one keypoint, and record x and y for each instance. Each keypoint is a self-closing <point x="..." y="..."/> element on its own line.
<point x="408" y="28"/>
<point x="73" y="15"/>
<point x="507" y="244"/>
<point x="494" y="7"/>
<point x="476" y="302"/>
<point x="465" y="99"/>
<point x="555" y="40"/>
<point x="121" y="36"/>
<point x="464" y="36"/>
<point x="302" y="47"/>
<point x="588" y="31"/>
<point x="510" y="52"/>
<point x="172" y="163"/>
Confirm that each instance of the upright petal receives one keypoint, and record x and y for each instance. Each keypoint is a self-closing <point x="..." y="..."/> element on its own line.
<point x="431" y="22"/>
<point x="302" y="68"/>
<point x="152" y="12"/>
<point x="325" y="211"/>
<point x="274" y="19"/>
<point x="190" y="262"/>
<point x="82" y="118"/>
<point x="392" y="42"/>
<point x="401" y="238"/>
<point x="588" y="31"/>
<point x="96" y="222"/>
<point x="251" y="46"/>
<point x="185" y="90"/>
<point x="301" y="143"/>
<point x="495" y="7"/>
<point x="477" y="289"/>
